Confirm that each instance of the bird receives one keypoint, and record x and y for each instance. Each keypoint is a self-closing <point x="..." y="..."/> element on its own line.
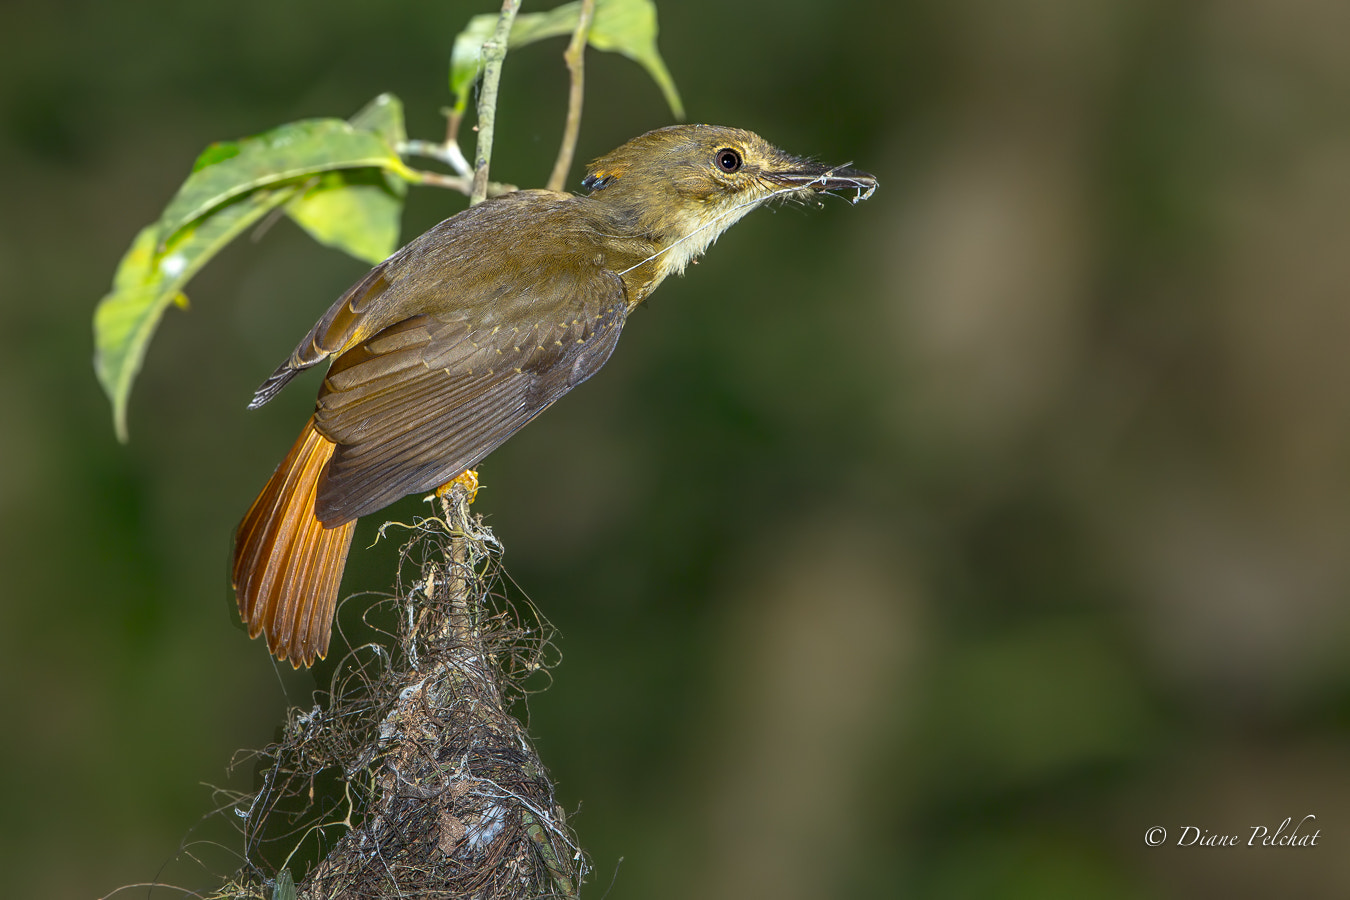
<point x="464" y="335"/>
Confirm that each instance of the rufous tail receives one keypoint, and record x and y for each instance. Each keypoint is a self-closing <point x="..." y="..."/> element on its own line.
<point x="287" y="565"/>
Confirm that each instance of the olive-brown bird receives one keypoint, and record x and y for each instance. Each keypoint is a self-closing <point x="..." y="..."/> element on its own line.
<point x="453" y="343"/>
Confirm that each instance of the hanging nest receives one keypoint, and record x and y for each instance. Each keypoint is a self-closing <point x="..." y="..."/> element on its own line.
<point x="432" y="788"/>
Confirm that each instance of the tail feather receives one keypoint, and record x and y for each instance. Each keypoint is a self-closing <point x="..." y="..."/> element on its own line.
<point x="287" y="565"/>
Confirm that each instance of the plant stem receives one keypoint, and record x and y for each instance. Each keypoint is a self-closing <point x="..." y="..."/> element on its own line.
<point x="452" y="120"/>
<point x="448" y="153"/>
<point x="494" y="52"/>
<point x="461" y="183"/>
<point x="576" y="68"/>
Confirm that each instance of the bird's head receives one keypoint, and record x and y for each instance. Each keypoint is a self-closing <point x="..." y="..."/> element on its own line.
<point x="686" y="184"/>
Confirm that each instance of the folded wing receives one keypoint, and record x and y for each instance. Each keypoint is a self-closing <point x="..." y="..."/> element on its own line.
<point x="428" y="397"/>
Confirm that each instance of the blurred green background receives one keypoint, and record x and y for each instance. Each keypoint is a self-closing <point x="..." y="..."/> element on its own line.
<point x="935" y="547"/>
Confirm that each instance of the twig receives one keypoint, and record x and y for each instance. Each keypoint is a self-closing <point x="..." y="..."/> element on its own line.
<point x="448" y="153"/>
<point x="462" y="183"/>
<point x="452" y="120"/>
<point x="575" y="58"/>
<point x="455" y="508"/>
<point x="494" y="52"/>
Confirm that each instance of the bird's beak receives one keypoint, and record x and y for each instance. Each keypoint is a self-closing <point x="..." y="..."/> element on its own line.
<point x="811" y="176"/>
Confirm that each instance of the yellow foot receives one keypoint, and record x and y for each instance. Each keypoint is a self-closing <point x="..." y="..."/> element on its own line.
<point x="468" y="479"/>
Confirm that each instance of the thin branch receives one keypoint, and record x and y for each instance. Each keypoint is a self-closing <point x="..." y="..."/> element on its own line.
<point x="576" y="67"/>
<point x="494" y="52"/>
<point x="452" y="120"/>
<point x="448" y="153"/>
<point x="461" y="183"/>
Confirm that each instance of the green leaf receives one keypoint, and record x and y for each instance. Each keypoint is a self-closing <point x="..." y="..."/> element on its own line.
<point x="292" y="151"/>
<point x="622" y="26"/>
<point x="356" y="211"/>
<point x="149" y="278"/>
<point x="383" y="116"/>
<point x="629" y="27"/>
<point x="217" y="152"/>
<point x="284" y="887"/>
<point x="343" y="182"/>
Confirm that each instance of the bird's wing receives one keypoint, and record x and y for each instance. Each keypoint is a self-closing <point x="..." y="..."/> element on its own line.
<point x="466" y="258"/>
<point x="426" y="398"/>
<point x="330" y="333"/>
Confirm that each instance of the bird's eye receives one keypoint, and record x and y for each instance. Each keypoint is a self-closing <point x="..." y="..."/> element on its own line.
<point x="728" y="160"/>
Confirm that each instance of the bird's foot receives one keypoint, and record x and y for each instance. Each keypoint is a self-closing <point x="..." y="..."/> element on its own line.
<point x="468" y="479"/>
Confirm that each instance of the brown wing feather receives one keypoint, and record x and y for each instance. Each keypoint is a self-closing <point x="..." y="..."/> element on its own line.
<point x="329" y="334"/>
<point x="419" y="403"/>
<point x="473" y="261"/>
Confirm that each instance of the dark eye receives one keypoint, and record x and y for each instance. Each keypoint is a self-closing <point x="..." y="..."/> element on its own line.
<point x="728" y="160"/>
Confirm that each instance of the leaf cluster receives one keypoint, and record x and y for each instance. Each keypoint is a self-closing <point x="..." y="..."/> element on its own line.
<point x="342" y="181"/>
<point x="620" y="26"/>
